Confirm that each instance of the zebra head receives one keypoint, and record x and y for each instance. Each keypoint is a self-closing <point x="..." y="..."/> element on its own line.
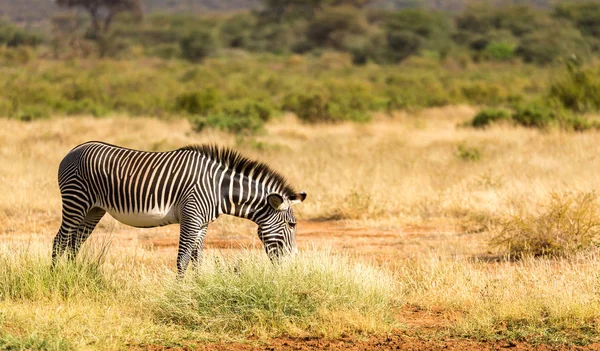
<point x="277" y="225"/>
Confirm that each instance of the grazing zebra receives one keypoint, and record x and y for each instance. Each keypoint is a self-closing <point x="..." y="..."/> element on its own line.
<point x="191" y="186"/>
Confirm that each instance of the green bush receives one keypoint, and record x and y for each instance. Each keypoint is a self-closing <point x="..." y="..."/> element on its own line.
<point x="469" y="154"/>
<point x="482" y="93"/>
<point x="489" y="116"/>
<point x="546" y="45"/>
<point x="198" y="45"/>
<point x="333" y="27"/>
<point x="579" y="90"/>
<point x="433" y="29"/>
<point x="402" y="44"/>
<point x="499" y="51"/>
<point x="13" y="36"/>
<point x="243" y="117"/>
<point x="585" y="15"/>
<point x="198" y="102"/>
<point x="325" y="107"/>
<point x="535" y="115"/>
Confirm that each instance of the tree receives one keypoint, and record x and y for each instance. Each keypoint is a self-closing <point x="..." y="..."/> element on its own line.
<point x="198" y="44"/>
<point x="278" y="10"/>
<point x="103" y="11"/>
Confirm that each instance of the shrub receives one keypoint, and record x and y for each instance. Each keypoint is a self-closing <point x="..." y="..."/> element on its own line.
<point x="198" y="45"/>
<point x="467" y="153"/>
<point x="579" y="91"/>
<point x="325" y="107"/>
<point x="241" y="117"/>
<point x="13" y="36"/>
<point x="535" y="115"/>
<point x="402" y="44"/>
<point x="332" y="27"/>
<point x="433" y="28"/>
<point x="482" y="93"/>
<point x="546" y="45"/>
<point x="489" y="116"/>
<point x="567" y="223"/>
<point x="499" y="51"/>
<point x="585" y="15"/>
<point x="197" y="103"/>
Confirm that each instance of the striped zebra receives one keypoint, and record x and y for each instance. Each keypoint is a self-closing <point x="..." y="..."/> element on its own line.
<point x="192" y="186"/>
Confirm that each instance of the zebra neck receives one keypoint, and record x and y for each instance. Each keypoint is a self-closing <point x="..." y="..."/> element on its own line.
<point x="242" y="195"/>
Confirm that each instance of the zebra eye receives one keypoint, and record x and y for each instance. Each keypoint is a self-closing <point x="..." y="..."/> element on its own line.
<point x="292" y="224"/>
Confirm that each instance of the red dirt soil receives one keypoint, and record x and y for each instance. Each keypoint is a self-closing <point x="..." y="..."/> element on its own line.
<point x="394" y="341"/>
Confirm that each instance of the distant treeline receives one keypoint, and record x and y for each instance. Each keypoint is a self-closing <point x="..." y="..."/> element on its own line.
<point x="479" y="33"/>
<point x="39" y="10"/>
<point x="324" y="60"/>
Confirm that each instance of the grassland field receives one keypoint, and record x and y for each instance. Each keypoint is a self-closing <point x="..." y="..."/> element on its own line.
<point x="394" y="240"/>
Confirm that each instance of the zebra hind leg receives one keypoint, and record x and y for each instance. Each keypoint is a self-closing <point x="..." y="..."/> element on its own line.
<point x="63" y="238"/>
<point x="84" y="230"/>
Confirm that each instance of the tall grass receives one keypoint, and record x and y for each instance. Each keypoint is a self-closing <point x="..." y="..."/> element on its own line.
<point x="539" y="300"/>
<point x="316" y="294"/>
<point x="566" y="223"/>
<point x="230" y="297"/>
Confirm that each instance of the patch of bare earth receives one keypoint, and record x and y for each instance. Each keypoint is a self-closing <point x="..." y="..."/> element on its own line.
<point x="393" y="341"/>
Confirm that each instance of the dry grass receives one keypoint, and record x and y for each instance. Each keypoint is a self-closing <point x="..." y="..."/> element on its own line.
<point x="121" y="299"/>
<point x="565" y="224"/>
<point x="389" y="176"/>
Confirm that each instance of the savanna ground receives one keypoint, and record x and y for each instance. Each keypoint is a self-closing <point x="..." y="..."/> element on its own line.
<point x="403" y="208"/>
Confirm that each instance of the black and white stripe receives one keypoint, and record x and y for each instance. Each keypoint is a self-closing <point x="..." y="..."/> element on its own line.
<point x="192" y="186"/>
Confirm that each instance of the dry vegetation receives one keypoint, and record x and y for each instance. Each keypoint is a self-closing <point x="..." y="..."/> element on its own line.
<point x="409" y="184"/>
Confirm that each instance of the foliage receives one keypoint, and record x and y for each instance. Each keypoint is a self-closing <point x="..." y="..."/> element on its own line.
<point x="535" y="115"/>
<point x="567" y="223"/>
<point x="368" y="34"/>
<point x="578" y="90"/>
<point x="198" y="45"/>
<point x="403" y="44"/>
<point x="13" y="36"/>
<point x="585" y="15"/>
<point x="467" y="153"/>
<point x="489" y="116"/>
<point x="433" y="29"/>
<point x="198" y="102"/>
<point x="241" y="117"/>
<point x="545" y="46"/>
<point x="499" y="51"/>
<point x="328" y="106"/>
<point x="104" y="10"/>
<point x="159" y="88"/>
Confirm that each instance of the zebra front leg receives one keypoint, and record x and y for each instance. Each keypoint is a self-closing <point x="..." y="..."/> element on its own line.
<point x="189" y="238"/>
<point x="197" y="251"/>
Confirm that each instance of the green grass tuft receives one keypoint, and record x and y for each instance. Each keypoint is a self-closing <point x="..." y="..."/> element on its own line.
<point x="316" y="293"/>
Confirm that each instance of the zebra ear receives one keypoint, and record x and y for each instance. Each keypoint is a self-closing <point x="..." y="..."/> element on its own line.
<point x="276" y="202"/>
<point x="298" y="198"/>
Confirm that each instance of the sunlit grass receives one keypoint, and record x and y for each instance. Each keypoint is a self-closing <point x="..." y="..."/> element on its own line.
<point x="231" y="297"/>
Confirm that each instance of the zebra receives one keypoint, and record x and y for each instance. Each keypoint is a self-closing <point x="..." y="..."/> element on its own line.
<point x="191" y="186"/>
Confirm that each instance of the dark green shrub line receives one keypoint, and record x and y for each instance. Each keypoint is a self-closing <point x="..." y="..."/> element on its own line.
<point x="568" y="98"/>
<point x="535" y="115"/>
<point x="239" y="95"/>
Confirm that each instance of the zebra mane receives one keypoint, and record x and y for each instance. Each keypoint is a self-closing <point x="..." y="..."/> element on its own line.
<point x="241" y="164"/>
